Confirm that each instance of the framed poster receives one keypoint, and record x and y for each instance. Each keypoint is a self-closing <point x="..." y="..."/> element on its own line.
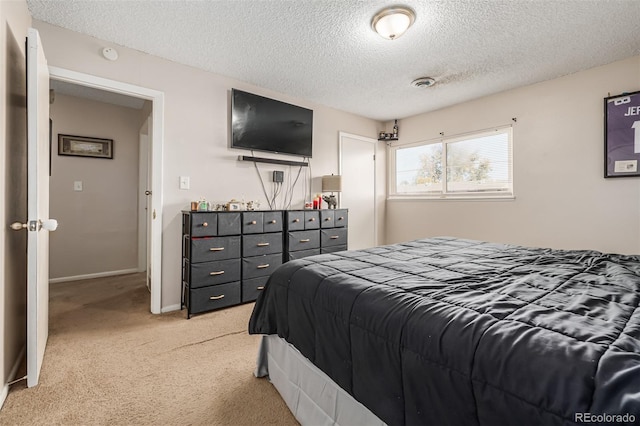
<point x="622" y="135"/>
<point x="82" y="146"/>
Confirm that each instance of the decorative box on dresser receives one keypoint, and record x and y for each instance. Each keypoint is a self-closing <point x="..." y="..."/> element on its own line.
<point x="227" y="257"/>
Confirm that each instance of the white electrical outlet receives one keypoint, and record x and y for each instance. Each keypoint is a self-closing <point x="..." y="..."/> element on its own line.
<point x="184" y="182"/>
<point x="77" y="185"/>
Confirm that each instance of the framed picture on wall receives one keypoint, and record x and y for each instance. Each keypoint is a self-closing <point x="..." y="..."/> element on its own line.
<point x="622" y="135"/>
<point x="81" y="146"/>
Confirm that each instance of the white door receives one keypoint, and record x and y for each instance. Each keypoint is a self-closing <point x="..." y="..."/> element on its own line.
<point x="357" y="167"/>
<point x="38" y="223"/>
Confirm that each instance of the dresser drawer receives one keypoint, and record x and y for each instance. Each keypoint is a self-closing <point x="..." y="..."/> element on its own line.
<point x="333" y="237"/>
<point x="312" y="219"/>
<point x="327" y="218"/>
<point x="214" y="297"/>
<point x="214" y="248"/>
<point x="252" y="222"/>
<point x="333" y="249"/>
<point x="303" y="240"/>
<point x="272" y="221"/>
<point x="229" y="223"/>
<point x="259" y="244"/>
<point x="260" y="266"/>
<point x="205" y="224"/>
<point x="211" y="273"/>
<point x="303" y="253"/>
<point x="341" y="218"/>
<point x="295" y="220"/>
<point x="252" y="288"/>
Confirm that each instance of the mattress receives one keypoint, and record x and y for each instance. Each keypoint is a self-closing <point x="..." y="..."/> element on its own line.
<point x="452" y="331"/>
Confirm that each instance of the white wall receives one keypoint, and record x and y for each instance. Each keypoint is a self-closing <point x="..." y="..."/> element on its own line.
<point x="562" y="199"/>
<point x="14" y="22"/>
<point x="196" y="132"/>
<point x="98" y="230"/>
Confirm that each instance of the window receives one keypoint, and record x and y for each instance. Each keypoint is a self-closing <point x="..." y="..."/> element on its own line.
<point x="478" y="165"/>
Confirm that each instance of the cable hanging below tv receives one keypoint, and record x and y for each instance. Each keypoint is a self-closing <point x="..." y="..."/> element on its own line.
<point x="272" y="161"/>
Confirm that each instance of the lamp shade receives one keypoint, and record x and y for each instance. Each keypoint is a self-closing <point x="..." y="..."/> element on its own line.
<point x="331" y="183"/>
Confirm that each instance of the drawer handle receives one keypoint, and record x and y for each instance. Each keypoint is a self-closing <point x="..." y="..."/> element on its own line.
<point x="261" y="287"/>
<point x="273" y="221"/>
<point x="313" y="219"/>
<point x="216" y="249"/>
<point x="205" y="224"/>
<point x="266" y="265"/>
<point x="217" y="297"/>
<point x="334" y="237"/>
<point x="341" y="218"/>
<point x="306" y="240"/>
<point x="296" y="220"/>
<point x="253" y="222"/>
<point x="216" y="273"/>
<point x="262" y="244"/>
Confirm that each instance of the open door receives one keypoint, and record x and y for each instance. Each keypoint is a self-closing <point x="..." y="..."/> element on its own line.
<point x="38" y="223"/>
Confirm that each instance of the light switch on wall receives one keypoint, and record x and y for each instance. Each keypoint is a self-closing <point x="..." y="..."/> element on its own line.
<point x="184" y="182"/>
<point x="77" y="185"/>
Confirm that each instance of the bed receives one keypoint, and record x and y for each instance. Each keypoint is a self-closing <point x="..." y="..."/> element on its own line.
<point x="460" y="332"/>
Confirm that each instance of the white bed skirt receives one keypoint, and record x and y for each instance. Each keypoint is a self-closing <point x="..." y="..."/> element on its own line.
<point x="312" y="397"/>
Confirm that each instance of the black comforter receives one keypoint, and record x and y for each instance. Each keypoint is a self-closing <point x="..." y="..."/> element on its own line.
<point x="448" y="331"/>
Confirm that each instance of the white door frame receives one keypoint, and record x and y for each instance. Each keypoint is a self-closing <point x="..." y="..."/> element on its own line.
<point x="375" y="170"/>
<point x="143" y="185"/>
<point x="157" y="98"/>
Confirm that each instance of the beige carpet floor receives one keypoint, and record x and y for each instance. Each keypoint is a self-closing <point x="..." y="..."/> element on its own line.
<point x="110" y="361"/>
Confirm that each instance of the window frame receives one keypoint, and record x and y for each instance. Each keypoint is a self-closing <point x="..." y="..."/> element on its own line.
<point x="444" y="194"/>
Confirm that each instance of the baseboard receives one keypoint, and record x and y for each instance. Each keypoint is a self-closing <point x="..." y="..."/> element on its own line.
<point x="12" y="375"/>
<point x="170" y="308"/>
<point x="91" y="276"/>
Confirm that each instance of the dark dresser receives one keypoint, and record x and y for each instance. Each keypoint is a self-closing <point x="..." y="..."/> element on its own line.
<point x="227" y="257"/>
<point x="310" y="232"/>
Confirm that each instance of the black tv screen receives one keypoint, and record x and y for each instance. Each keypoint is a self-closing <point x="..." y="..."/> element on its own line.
<point x="264" y="124"/>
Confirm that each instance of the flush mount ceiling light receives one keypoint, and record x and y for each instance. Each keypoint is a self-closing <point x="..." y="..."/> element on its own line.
<point x="392" y="22"/>
<point x="423" y="82"/>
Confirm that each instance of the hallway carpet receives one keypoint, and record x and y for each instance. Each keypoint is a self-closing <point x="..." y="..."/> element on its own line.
<point x="110" y="361"/>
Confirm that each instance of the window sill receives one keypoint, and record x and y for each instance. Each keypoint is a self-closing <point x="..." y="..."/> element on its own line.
<point x="424" y="197"/>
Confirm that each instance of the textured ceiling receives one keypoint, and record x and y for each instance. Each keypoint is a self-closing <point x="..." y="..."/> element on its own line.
<point x="326" y="52"/>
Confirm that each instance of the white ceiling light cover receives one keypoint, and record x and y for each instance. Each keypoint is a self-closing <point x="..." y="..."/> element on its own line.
<point x="392" y="23"/>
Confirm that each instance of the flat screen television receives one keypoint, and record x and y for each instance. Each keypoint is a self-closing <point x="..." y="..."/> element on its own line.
<point x="264" y="124"/>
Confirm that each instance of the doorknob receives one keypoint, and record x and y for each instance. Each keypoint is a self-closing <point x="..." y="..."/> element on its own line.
<point x="18" y="226"/>
<point x="36" y="225"/>
<point x="147" y="192"/>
